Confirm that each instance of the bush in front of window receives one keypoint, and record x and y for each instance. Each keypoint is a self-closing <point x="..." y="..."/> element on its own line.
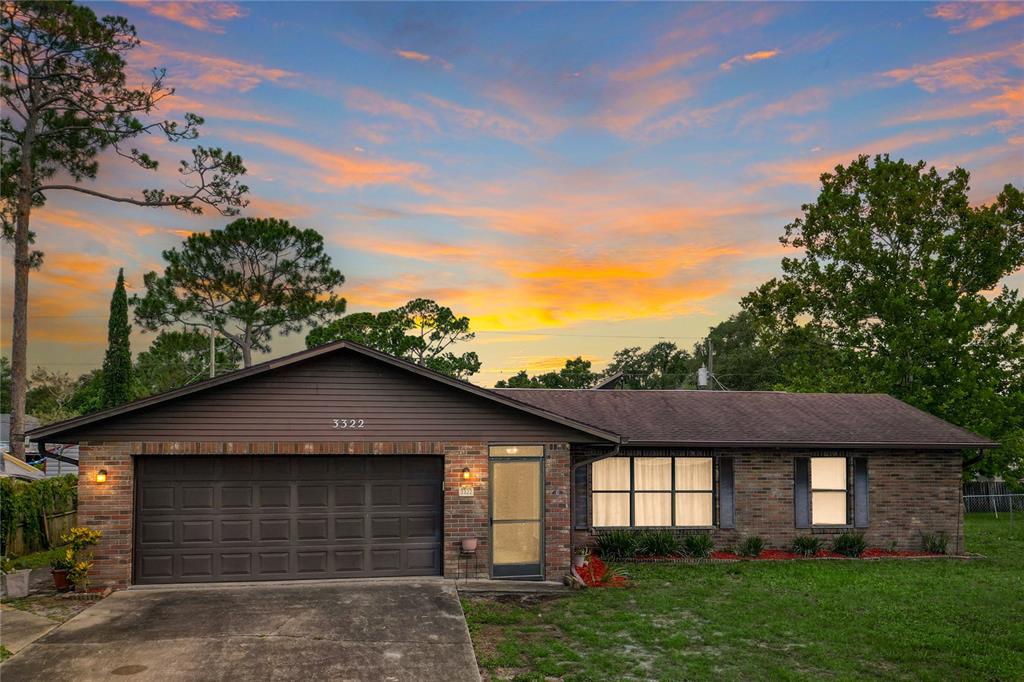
<point x="806" y="545"/>
<point x="617" y="544"/>
<point x="698" y="546"/>
<point x="751" y="547"/>
<point x="658" y="543"/>
<point x="850" y="544"/>
<point x="934" y="543"/>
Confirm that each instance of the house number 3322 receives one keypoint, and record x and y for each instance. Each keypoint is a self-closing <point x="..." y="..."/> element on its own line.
<point x="349" y="423"/>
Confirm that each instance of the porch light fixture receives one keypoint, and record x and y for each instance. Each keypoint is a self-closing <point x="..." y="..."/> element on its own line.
<point x="101" y="476"/>
<point x="466" y="474"/>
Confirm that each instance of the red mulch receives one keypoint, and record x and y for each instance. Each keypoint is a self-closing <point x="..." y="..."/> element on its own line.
<point x="593" y="574"/>
<point x="782" y="555"/>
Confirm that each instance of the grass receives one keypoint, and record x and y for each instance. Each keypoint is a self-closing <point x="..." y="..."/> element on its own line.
<point x="36" y="559"/>
<point x="4" y="653"/>
<point x="894" y="619"/>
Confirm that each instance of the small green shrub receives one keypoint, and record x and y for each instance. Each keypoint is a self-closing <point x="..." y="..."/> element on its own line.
<point x="658" y="543"/>
<point x="698" y="546"/>
<point x="935" y="543"/>
<point x="850" y="544"/>
<point x="806" y="545"/>
<point x="617" y="544"/>
<point x="751" y="547"/>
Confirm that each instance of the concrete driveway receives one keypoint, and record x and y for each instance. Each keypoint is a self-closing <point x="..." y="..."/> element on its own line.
<point x="391" y="629"/>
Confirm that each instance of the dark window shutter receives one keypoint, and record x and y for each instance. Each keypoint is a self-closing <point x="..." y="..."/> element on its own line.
<point x="860" y="492"/>
<point x="726" y="494"/>
<point x="801" y="492"/>
<point x="581" y="499"/>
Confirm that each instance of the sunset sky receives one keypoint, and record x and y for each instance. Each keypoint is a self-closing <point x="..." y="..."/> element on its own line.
<point x="576" y="178"/>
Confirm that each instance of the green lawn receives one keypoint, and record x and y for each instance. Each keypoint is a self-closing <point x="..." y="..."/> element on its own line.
<point x="921" y="619"/>
<point x="37" y="559"/>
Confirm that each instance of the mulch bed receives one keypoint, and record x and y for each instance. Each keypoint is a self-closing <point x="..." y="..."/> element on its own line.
<point x="782" y="555"/>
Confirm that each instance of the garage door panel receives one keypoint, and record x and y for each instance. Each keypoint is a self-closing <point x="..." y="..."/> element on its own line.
<point x="338" y="516"/>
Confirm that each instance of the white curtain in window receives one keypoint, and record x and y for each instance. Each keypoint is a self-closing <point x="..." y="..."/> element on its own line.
<point x="653" y="509"/>
<point x="652" y="473"/>
<point x="828" y="508"/>
<point x="611" y="509"/>
<point x="693" y="473"/>
<point x="611" y="473"/>
<point x="828" y="473"/>
<point x="693" y="509"/>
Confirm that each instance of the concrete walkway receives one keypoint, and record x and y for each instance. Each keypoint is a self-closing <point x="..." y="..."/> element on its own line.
<point x="401" y="629"/>
<point x="18" y="628"/>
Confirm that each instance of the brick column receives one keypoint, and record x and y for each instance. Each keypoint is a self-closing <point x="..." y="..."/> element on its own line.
<point x="557" y="533"/>
<point x="107" y="507"/>
<point x="466" y="517"/>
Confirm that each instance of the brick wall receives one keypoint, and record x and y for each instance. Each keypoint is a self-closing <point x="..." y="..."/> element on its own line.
<point x="109" y="507"/>
<point x="910" y="493"/>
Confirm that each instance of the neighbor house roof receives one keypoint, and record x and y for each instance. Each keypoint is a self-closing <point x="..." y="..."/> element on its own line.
<point x="754" y="418"/>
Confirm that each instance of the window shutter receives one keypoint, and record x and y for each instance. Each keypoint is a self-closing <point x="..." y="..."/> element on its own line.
<point x="801" y="492"/>
<point x="860" y="492"/>
<point x="581" y="499"/>
<point x="726" y="495"/>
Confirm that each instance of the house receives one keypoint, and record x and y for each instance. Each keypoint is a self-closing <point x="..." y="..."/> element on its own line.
<point x="57" y="460"/>
<point x="343" y="461"/>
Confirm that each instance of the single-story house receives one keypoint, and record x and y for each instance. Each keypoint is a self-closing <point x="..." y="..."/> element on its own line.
<point x="343" y="461"/>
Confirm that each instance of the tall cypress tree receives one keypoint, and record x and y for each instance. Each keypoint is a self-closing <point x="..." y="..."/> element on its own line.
<point x="117" y="364"/>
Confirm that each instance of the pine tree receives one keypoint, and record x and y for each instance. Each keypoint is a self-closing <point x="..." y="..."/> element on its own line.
<point x="117" y="364"/>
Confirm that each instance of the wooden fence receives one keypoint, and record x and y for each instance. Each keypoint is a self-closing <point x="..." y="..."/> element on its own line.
<point x="54" y="525"/>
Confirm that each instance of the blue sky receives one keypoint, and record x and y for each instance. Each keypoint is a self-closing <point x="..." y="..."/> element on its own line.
<point x="574" y="177"/>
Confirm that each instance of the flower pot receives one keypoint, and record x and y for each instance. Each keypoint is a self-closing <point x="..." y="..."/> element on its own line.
<point x="579" y="560"/>
<point x="469" y="545"/>
<point x="60" y="579"/>
<point x="16" y="583"/>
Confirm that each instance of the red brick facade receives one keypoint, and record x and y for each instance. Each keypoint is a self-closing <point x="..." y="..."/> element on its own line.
<point x="909" y="493"/>
<point x="108" y="506"/>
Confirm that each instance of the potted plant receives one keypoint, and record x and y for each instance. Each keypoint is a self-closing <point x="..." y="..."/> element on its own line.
<point x="579" y="559"/>
<point x="59" y="567"/>
<point x="15" y="580"/>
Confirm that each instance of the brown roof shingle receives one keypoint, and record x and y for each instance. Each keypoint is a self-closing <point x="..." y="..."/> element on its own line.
<point x="738" y="418"/>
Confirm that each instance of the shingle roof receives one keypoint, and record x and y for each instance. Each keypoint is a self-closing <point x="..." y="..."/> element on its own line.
<point x="737" y="418"/>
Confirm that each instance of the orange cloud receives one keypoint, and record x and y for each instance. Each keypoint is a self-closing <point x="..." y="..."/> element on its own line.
<point x="799" y="103"/>
<point x="1008" y="105"/>
<point x="342" y="170"/>
<point x="370" y="102"/>
<point x="807" y="171"/>
<point x="750" y="57"/>
<point x="974" y="15"/>
<point x="202" y="16"/>
<point x="422" y="58"/>
<point x="478" y="119"/>
<point x="966" y="73"/>
<point x="206" y="109"/>
<point x="658" y="66"/>
<point x="208" y="73"/>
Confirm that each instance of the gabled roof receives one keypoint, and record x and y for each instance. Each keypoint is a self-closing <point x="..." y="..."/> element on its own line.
<point x="754" y="418"/>
<point x="52" y="432"/>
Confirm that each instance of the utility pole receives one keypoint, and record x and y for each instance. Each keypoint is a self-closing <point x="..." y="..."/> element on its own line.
<point x="711" y="365"/>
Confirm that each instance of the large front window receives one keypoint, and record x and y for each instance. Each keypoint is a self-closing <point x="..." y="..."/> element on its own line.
<point x="653" y="491"/>
<point x="828" y="491"/>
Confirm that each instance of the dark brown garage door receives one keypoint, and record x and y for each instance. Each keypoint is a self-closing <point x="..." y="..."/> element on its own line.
<point x="214" y="519"/>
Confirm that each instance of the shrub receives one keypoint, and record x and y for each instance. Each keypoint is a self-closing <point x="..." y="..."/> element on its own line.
<point x="850" y="544"/>
<point x="751" y="546"/>
<point x="807" y="545"/>
<point x="658" y="543"/>
<point x="698" y="546"/>
<point x="934" y="542"/>
<point x="617" y="544"/>
<point x="25" y="504"/>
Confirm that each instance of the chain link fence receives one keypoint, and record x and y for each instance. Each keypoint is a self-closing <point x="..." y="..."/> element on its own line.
<point x="996" y="503"/>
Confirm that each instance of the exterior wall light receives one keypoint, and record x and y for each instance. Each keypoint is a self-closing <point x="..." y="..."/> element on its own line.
<point x="101" y="476"/>
<point x="466" y="474"/>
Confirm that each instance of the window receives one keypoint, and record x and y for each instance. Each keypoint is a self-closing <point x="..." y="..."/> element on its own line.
<point x="516" y="450"/>
<point x="828" y="491"/>
<point x="652" y="491"/>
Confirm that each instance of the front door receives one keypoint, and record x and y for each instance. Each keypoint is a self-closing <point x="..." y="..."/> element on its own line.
<point x="517" y="527"/>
